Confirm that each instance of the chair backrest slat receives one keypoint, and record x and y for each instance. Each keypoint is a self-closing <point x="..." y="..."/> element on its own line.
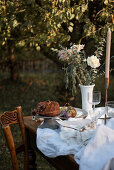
<point x="9" y="117"/>
<point x="6" y="119"/>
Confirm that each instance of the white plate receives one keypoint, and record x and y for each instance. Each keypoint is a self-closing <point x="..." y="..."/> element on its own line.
<point x="80" y="112"/>
<point x="77" y="123"/>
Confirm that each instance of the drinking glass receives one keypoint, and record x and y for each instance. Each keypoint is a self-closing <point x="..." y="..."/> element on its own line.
<point x="110" y="108"/>
<point x="94" y="98"/>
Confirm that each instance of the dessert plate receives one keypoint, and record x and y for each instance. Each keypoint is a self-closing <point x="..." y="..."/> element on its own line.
<point x="80" y="112"/>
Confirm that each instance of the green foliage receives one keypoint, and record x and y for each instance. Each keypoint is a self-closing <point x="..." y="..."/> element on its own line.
<point x="32" y="23"/>
<point x="49" y="23"/>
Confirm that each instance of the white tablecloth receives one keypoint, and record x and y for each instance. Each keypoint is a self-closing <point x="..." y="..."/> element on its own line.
<point x="92" y="148"/>
<point x="100" y="149"/>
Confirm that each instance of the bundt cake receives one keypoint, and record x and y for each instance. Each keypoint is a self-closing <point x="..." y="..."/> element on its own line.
<point x="47" y="108"/>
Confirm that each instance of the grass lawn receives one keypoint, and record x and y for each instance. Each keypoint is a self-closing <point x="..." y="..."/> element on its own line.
<point x="27" y="92"/>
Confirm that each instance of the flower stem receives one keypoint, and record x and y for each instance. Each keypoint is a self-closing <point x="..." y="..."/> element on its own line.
<point x="77" y="77"/>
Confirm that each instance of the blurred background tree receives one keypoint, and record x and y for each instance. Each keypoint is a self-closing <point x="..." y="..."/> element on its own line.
<point x="39" y="25"/>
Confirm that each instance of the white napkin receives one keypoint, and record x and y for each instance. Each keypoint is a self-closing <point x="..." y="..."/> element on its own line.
<point x="64" y="141"/>
<point x="72" y="136"/>
<point x="100" y="149"/>
<point x="50" y="144"/>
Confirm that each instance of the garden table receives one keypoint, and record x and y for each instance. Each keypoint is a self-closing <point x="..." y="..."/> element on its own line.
<point x="66" y="162"/>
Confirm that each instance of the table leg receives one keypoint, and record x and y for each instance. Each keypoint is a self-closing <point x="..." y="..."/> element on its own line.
<point x="31" y="153"/>
<point x="32" y="159"/>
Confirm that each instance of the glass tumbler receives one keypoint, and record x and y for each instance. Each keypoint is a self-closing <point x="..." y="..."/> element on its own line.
<point x="110" y="109"/>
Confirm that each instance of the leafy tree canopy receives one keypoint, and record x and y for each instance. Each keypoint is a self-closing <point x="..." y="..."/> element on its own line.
<point x="42" y="24"/>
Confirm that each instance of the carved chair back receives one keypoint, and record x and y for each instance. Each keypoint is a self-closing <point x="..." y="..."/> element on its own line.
<point x="13" y="117"/>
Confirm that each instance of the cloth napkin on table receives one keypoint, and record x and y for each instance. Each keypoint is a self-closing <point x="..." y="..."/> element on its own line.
<point x="64" y="141"/>
<point x="71" y="136"/>
<point x="100" y="149"/>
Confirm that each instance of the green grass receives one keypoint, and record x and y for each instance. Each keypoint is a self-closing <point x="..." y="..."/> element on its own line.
<point x="27" y="92"/>
<point x="30" y="89"/>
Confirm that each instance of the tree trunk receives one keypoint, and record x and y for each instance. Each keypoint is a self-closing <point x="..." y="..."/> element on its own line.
<point x="52" y="56"/>
<point x="13" y="64"/>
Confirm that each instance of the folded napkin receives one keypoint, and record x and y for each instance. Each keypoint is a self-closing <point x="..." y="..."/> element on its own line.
<point x="100" y="149"/>
<point x="76" y="135"/>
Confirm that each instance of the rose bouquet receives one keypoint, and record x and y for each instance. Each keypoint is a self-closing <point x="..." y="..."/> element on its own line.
<point x="78" y="68"/>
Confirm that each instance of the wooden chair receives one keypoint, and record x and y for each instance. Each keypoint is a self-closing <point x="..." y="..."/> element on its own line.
<point x="6" y="119"/>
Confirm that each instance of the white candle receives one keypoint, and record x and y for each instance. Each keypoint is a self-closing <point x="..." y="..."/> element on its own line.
<point x="108" y="44"/>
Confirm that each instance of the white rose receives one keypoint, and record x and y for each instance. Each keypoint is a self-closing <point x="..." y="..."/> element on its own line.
<point x="93" y="61"/>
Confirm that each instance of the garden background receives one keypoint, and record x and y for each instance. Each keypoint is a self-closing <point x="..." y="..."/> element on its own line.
<point x="30" y="71"/>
